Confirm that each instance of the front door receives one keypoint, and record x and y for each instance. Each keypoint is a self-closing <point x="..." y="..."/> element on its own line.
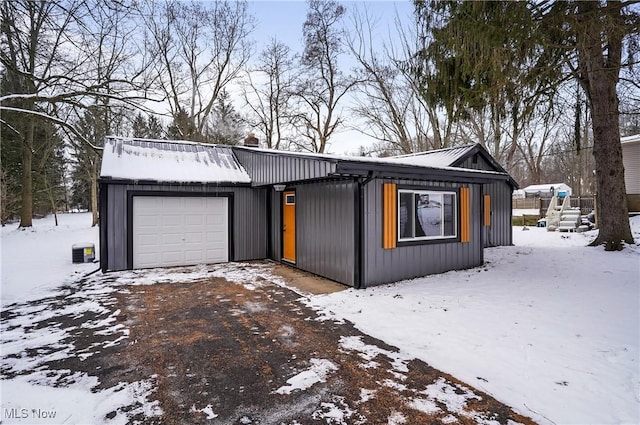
<point x="289" y="226"/>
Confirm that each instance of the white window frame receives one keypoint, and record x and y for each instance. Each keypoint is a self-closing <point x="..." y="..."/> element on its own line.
<point x="413" y="215"/>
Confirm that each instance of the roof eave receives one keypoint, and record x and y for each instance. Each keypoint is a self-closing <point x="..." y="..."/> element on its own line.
<point x="117" y="180"/>
<point x="402" y="171"/>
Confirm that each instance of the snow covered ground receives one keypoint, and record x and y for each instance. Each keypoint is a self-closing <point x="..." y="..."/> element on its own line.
<point x="38" y="259"/>
<point x="548" y="326"/>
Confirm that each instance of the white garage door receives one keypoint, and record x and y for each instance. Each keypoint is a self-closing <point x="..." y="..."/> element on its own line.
<point x="179" y="231"/>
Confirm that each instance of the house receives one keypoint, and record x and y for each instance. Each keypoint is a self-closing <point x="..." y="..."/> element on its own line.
<point x="631" y="162"/>
<point x="358" y="221"/>
<point x="548" y="190"/>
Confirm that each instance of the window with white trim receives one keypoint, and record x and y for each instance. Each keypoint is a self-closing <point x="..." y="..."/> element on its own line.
<point x="425" y="214"/>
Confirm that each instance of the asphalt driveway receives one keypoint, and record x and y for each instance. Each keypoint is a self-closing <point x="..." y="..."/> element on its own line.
<point x="223" y="352"/>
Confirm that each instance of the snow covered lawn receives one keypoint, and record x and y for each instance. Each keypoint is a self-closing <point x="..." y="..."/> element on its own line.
<point x="548" y="326"/>
<point x="38" y="259"/>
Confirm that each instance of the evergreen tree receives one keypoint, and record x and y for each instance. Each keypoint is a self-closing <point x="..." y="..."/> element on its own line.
<point x="226" y="126"/>
<point x="500" y="56"/>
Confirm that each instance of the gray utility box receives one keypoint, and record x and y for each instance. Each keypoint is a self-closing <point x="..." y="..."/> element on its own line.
<point x="83" y="252"/>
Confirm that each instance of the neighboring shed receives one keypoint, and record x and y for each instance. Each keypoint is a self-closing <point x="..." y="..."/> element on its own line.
<point x="548" y="190"/>
<point x="359" y="221"/>
<point x="631" y="162"/>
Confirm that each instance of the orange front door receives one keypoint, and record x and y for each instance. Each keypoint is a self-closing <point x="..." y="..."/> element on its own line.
<point x="289" y="226"/>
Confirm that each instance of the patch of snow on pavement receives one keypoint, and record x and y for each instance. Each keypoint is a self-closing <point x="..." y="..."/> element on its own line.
<point x="318" y="372"/>
<point x="369" y="352"/>
<point x="366" y="395"/>
<point x="207" y="410"/>
<point x="454" y="397"/>
<point x="548" y="326"/>
<point x="77" y="403"/>
<point x="396" y="418"/>
<point x="424" y="405"/>
<point x="338" y="412"/>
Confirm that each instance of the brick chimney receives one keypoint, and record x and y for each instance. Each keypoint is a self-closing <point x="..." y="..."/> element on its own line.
<point x="252" y="141"/>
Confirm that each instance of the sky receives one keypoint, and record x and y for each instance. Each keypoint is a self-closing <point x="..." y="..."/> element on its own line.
<point x="284" y="19"/>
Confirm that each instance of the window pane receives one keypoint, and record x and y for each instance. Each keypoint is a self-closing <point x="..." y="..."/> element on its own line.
<point x="449" y="215"/>
<point x="405" y="215"/>
<point x="429" y="214"/>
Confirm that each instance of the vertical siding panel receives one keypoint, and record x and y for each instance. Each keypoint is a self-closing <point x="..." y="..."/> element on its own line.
<point x="404" y="262"/>
<point x="324" y="227"/>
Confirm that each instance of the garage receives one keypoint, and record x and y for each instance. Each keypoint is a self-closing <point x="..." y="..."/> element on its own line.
<point x="179" y="230"/>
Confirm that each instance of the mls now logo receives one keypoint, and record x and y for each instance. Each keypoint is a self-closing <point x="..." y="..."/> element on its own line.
<point x="16" y="413"/>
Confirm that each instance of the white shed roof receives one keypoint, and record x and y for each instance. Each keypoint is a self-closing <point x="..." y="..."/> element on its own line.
<point x="168" y="161"/>
<point x="546" y="187"/>
<point x="630" y="139"/>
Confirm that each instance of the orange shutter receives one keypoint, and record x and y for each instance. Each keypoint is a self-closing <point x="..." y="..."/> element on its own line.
<point x="390" y="210"/>
<point x="487" y="210"/>
<point x="465" y="215"/>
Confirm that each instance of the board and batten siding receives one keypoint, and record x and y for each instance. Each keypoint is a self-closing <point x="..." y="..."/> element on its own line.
<point x="500" y="232"/>
<point x="325" y="234"/>
<point x="405" y="262"/>
<point x="275" y="247"/>
<point x="249" y="217"/>
<point x="269" y="168"/>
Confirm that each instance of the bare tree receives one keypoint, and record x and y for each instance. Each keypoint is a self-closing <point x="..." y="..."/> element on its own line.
<point x="267" y="92"/>
<point x="199" y="48"/>
<point x="59" y="55"/>
<point x="384" y="100"/>
<point x="324" y="85"/>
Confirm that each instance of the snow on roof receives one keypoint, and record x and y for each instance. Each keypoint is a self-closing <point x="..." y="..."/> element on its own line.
<point x="630" y="139"/>
<point x="545" y="187"/>
<point x="436" y="158"/>
<point x="169" y="161"/>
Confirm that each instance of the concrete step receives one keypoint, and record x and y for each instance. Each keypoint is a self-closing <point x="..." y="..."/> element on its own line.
<point x="568" y="223"/>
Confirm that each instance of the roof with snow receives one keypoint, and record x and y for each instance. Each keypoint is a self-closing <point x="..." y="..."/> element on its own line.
<point x="630" y="139"/>
<point x="534" y="188"/>
<point x="169" y="161"/>
<point x="436" y="158"/>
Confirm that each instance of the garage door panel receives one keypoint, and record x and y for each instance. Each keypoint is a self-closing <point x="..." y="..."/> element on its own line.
<point x="149" y="239"/>
<point x="172" y="231"/>
<point x="193" y="220"/>
<point x="174" y="239"/>
<point x="171" y="220"/>
<point x="192" y="237"/>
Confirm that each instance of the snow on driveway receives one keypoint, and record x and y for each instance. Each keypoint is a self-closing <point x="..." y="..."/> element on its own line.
<point x="548" y="326"/>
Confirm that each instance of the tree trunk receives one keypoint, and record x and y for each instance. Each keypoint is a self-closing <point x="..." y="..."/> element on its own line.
<point x="600" y="63"/>
<point x="607" y="151"/>
<point x="26" y="211"/>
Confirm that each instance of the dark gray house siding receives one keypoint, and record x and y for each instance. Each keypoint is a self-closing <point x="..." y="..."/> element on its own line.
<point x="500" y="231"/>
<point x="267" y="168"/>
<point x="404" y="262"/>
<point x="275" y="225"/>
<point x="325" y="217"/>
<point x="249" y="221"/>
